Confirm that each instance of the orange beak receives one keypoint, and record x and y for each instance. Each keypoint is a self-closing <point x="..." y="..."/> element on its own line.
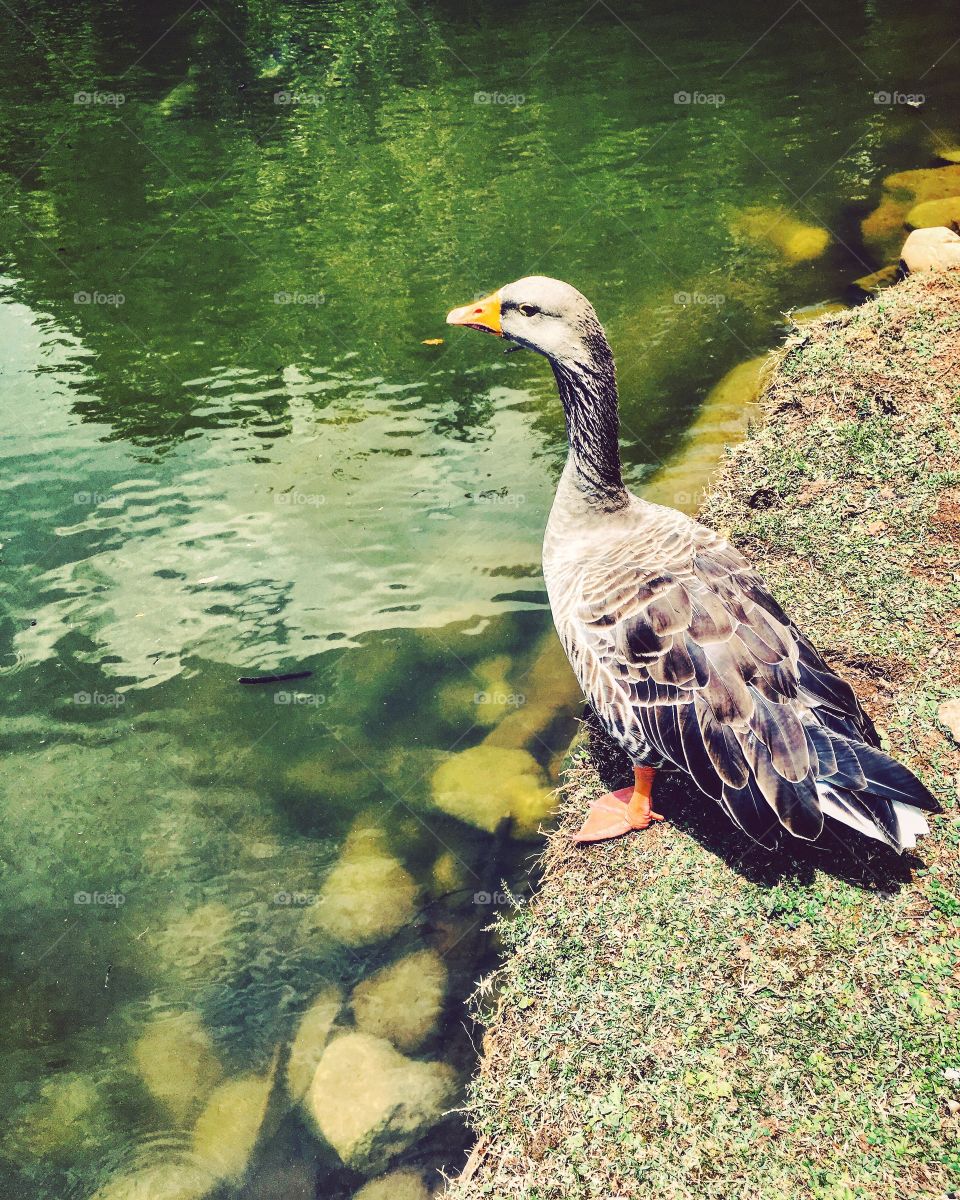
<point x="482" y="314"/>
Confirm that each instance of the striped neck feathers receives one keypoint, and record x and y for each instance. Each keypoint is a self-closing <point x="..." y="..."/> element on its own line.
<point x="588" y="393"/>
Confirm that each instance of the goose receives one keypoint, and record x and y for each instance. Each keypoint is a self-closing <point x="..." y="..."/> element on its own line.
<point x="685" y="656"/>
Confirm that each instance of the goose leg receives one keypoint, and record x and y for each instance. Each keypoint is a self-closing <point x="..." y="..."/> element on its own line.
<point x="617" y="813"/>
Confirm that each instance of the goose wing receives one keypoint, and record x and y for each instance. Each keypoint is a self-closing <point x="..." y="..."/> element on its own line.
<point x="695" y="658"/>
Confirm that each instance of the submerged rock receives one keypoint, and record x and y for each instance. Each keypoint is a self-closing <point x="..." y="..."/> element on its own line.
<point x="69" y="1114"/>
<point x="883" y="229"/>
<point x="227" y="1129"/>
<point x="199" y="946"/>
<point x="164" y="1181"/>
<point x="405" y="1184"/>
<point x="722" y="419"/>
<point x="402" y="1002"/>
<point x="488" y="784"/>
<point x="483" y="698"/>
<point x="371" y="1102"/>
<point x="448" y="873"/>
<point x="813" y="312"/>
<point x="177" y="1062"/>
<point x="885" y="277"/>
<point x="310" y="1040"/>
<point x="932" y="213"/>
<point x="931" y="250"/>
<point x="367" y="896"/>
<point x="777" y="228"/>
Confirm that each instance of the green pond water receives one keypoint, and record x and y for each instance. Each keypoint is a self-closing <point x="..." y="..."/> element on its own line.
<point x="227" y="231"/>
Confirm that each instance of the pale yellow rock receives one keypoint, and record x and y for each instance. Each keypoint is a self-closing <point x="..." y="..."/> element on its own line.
<point x="488" y="784"/>
<point x="176" y="1060"/>
<point x="949" y="715"/>
<point x="877" y="280"/>
<point x="198" y="945"/>
<point x="550" y="689"/>
<point x="310" y="1040"/>
<point x="778" y="228"/>
<point x="813" y="312"/>
<point x="931" y="250"/>
<point x="163" y="1181"/>
<point x="367" y="896"/>
<point x="932" y="213"/>
<point x="227" y="1129"/>
<point x="448" y="873"/>
<point x="402" y="1001"/>
<point x="721" y="421"/>
<point x="405" y="1184"/>
<point x="68" y="1110"/>
<point x="483" y="697"/>
<point x="371" y="1102"/>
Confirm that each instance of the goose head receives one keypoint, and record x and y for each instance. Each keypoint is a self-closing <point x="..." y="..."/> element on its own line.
<point x="554" y="319"/>
<point x="541" y="314"/>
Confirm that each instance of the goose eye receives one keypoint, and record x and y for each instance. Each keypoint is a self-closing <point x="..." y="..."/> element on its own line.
<point x="527" y="310"/>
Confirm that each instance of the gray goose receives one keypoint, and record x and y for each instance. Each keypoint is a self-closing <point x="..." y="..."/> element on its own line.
<point x="684" y="655"/>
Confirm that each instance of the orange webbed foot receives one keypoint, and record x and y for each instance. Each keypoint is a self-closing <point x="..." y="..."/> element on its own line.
<point x="606" y="819"/>
<point x="617" y="813"/>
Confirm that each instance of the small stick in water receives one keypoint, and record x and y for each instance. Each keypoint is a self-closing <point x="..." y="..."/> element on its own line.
<point x="274" y="678"/>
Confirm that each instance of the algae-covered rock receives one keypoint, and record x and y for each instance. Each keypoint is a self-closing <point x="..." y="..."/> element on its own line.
<point x="448" y="873"/>
<point x="367" y="896"/>
<point x="932" y="213"/>
<point x="371" y="1102"/>
<point x="489" y="784"/>
<point x="310" y="1040"/>
<point x="405" y="1184"/>
<point x="483" y="697"/>
<point x="550" y="689"/>
<point x="813" y="312"/>
<point x="198" y="946"/>
<point x="778" y="229"/>
<point x="227" y="1129"/>
<point x="162" y="1181"/>
<point x="885" y="277"/>
<point x="402" y="1002"/>
<point x="69" y="1114"/>
<point x="177" y="1062"/>
<point x="931" y="250"/>
<point x="722" y="419"/>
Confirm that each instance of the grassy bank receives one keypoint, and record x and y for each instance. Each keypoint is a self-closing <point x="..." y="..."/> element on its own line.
<point x="684" y="1014"/>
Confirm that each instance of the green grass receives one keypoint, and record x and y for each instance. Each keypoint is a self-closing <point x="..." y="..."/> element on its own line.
<point x="684" y="1014"/>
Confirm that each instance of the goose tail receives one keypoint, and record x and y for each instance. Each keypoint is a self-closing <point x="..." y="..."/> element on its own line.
<point x="871" y="792"/>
